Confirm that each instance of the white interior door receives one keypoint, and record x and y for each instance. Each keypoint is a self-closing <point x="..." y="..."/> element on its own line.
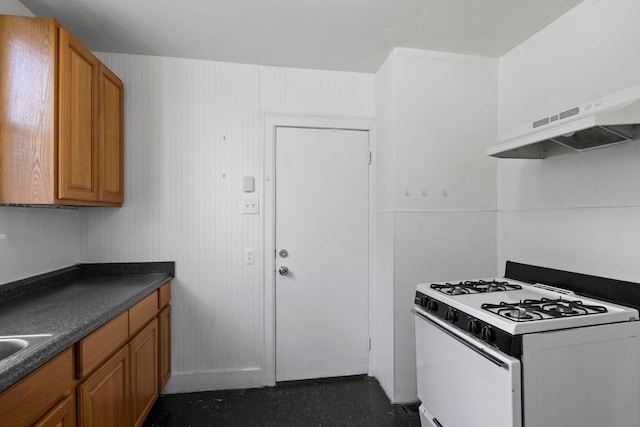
<point x="322" y="198"/>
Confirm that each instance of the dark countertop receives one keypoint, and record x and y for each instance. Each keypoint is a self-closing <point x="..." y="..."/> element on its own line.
<point x="69" y="304"/>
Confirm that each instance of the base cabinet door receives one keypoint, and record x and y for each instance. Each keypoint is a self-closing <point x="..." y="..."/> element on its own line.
<point x="103" y="399"/>
<point x="144" y="371"/>
<point x="63" y="415"/>
<point x="34" y="397"/>
<point x="164" y="348"/>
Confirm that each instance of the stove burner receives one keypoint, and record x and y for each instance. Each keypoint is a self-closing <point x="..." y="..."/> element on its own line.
<point x="474" y="287"/>
<point x="519" y="313"/>
<point x="544" y="308"/>
<point x="564" y="308"/>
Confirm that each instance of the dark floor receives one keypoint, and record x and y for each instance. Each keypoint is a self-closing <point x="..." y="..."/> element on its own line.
<point x="347" y="401"/>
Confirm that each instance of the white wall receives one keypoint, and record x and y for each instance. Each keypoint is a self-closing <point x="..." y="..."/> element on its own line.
<point x="382" y="343"/>
<point x="193" y="129"/>
<point x="445" y="111"/>
<point x="436" y="193"/>
<point x="575" y="212"/>
<point x="38" y="240"/>
<point x="14" y="7"/>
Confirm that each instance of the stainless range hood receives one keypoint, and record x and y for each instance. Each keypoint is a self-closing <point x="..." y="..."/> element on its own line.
<point x="599" y="123"/>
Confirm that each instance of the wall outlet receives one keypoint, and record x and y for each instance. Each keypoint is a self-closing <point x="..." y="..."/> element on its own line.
<point x="251" y="206"/>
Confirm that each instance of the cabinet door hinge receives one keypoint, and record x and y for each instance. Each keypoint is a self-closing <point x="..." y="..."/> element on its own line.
<point x="369" y="344"/>
<point x="370" y="157"/>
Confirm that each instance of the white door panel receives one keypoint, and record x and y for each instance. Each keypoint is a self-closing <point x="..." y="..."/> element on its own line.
<point x="322" y="221"/>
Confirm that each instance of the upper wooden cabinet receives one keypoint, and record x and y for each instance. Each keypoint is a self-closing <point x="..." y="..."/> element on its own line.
<point x="61" y="119"/>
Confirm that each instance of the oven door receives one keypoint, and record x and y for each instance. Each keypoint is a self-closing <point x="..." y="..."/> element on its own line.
<point x="462" y="381"/>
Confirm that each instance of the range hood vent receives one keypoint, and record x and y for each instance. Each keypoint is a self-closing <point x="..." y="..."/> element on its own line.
<point x="599" y="123"/>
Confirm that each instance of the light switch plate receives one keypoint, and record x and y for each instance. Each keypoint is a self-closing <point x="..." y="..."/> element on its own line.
<point x="249" y="256"/>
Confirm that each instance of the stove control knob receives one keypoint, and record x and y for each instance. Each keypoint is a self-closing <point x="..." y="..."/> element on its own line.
<point x="487" y="334"/>
<point x="473" y="326"/>
<point x="424" y="301"/>
<point x="432" y="305"/>
<point x="451" y="315"/>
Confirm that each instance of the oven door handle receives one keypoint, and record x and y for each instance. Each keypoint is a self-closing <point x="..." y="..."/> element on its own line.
<point x="480" y="351"/>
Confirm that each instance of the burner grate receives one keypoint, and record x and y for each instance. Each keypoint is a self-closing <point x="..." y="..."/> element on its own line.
<point x="545" y="308"/>
<point x="474" y="287"/>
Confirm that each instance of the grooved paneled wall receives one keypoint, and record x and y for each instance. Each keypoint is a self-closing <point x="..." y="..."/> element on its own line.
<point x="435" y="191"/>
<point x="580" y="211"/>
<point x="193" y="129"/>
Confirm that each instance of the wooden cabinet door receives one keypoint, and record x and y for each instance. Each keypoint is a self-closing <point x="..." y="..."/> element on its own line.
<point x="164" y="347"/>
<point x="77" y="121"/>
<point x="103" y="399"/>
<point x="34" y="396"/>
<point x="144" y="371"/>
<point x="63" y="415"/>
<point x="27" y="117"/>
<point x="111" y="138"/>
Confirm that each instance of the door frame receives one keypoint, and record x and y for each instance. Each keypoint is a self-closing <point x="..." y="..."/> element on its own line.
<point x="272" y="121"/>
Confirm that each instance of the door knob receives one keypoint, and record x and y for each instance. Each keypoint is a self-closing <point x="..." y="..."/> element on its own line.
<point x="283" y="271"/>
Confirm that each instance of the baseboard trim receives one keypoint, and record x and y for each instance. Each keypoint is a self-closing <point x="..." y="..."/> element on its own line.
<point x="214" y="380"/>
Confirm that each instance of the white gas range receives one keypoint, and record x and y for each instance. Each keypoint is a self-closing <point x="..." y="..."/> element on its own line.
<point x="507" y="353"/>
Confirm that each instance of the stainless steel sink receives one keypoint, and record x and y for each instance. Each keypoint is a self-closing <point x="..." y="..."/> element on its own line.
<point x="10" y="345"/>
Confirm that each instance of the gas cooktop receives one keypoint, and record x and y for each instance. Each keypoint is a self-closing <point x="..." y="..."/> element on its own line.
<point x="517" y="307"/>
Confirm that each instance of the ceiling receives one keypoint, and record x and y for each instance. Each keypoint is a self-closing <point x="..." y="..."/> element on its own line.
<point x="349" y="35"/>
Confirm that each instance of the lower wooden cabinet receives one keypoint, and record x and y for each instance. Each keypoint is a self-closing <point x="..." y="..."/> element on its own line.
<point x="119" y="391"/>
<point x="111" y="378"/>
<point x="144" y="371"/>
<point x="104" y="399"/>
<point x="63" y="415"/>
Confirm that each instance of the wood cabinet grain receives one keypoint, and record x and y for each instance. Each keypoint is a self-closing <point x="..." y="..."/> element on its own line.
<point x="164" y="295"/>
<point x="164" y="347"/>
<point x="111" y="138"/>
<point x="142" y="312"/>
<point x="27" y="109"/>
<point x="104" y="398"/>
<point x="61" y="110"/>
<point x="31" y="398"/>
<point x="102" y="343"/>
<point x="63" y="415"/>
<point x="138" y="330"/>
<point x="144" y="371"/>
<point x="78" y="120"/>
